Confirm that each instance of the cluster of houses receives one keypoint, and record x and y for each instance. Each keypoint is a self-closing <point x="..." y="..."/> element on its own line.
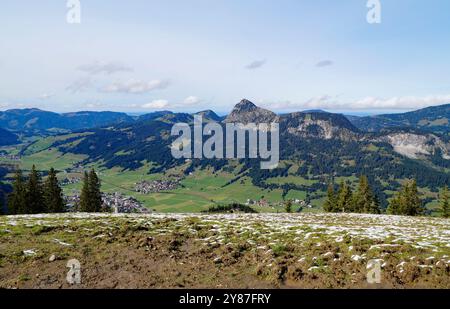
<point x="69" y="181"/>
<point x="146" y="187"/>
<point x="9" y="157"/>
<point x="120" y="203"/>
<point x="112" y="202"/>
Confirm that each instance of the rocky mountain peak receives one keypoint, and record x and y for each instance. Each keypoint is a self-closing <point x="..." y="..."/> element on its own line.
<point x="246" y="112"/>
<point x="245" y="106"/>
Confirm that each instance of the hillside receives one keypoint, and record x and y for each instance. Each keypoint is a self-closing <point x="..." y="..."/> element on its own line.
<point x="224" y="251"/>
<point x="34" y="120"/>
<point x="7" y="138"/>
<point x="434" y="119"/>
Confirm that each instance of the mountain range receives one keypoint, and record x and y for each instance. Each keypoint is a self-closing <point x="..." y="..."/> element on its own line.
<point x="313" y="144"/>
<point x="434" y="119"/>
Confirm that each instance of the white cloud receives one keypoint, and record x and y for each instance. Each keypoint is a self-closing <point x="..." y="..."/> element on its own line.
<point x="406" y="102"/>
<point x="104" y="68"/>
<point x="4" y="105"/>
<point x="368" y="103"/>
<point x="94" y="105"/>
<point x="46" y="96"/>
<point x="255" y="64"/>
<point x="191" y="100"/>
<point x="136" y="86"/>
<point x="156" y="104"/>
<point x="324" y="63"/>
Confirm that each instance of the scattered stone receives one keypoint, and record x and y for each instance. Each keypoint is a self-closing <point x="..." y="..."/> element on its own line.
<point x="52" y="258"/>
<point x="29" y="252"/>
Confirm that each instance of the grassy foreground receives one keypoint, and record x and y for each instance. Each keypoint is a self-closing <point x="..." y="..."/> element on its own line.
<point x="224" y="251"/>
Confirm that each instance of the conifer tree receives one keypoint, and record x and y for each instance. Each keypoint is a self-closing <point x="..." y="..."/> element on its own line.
<point x="395" y="204"/>
<point x="344" y="198"/>
<point x="414" y="205"/>
<point x="17" y="199"/>
<point x="35" y="200"/>
<point x="330" y="202"/>
<point x="53" y="197"/>
<point x="288" y="206"/>
<point x="407" y="201"/>
<point x="445" y="203"/>
<point x="364" y="199"/>
<point x="95" y="195"/>
<point x="84" y="205"/>
<point x="375" y="206"/>
<point x="363" y="196"/>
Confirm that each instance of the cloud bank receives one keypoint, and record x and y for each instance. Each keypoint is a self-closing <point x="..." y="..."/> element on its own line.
<point x="104" y="68"/>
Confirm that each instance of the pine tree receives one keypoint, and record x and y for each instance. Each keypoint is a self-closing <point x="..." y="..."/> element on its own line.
<point x="364" y="199"/>
<point x="330" y="202"/>
<point x="407" y="201"/>
<point x="375" y="207"/>
<point x="95" y="195"/>
<point x="53" y="197"/>
<point x="35" y="198"/>
<point x="344" y="198"/>
<point x="84" y="205"/>
<point x="414" y="205"/>
<point x="395" y="204"/>
<point x="288" y="206"/>
<point x="445" y="203"/>
<point x="17" y="199"/>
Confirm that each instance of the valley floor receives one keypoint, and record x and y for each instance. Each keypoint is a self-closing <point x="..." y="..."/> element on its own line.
<point x="224" y="251"/>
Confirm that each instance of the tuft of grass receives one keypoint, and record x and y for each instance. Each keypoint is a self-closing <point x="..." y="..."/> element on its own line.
<point x="279" y="249"/>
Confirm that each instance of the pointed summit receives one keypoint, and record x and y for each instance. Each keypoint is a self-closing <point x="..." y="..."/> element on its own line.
<point x="246" y="112"/>
<point x="245" y="105"/>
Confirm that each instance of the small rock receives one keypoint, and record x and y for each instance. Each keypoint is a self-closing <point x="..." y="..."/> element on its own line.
<point x="52" y="258"/>
<point x="29" y="252"/>
<point x="218" y="260"/>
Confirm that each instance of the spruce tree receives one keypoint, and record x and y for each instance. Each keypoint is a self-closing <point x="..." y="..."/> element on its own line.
<point x="17" y="199"/>
<point x="364" y="199"/>
<point x="445" y="203"/>
<point x="95" y="195"/>
<point x="35" y="198"/>
<point x="288" y="206"/>
<point x="330" y="202"/>
<point x="407" y="201"/>
<point x="363" y="196"/>
<point x="84" y="205"/>
<point x="344" y="198"/>
<point x="414" y="205"/>
<point x="53" y="197"/>
<point x="396" y="204"/>
<point x="375" y="207"/>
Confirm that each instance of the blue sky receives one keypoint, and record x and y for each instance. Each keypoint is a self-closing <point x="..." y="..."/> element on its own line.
<point x="189" y="55"/>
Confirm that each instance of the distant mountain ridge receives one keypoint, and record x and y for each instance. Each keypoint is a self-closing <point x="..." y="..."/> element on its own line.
<point x="435" y="118"/>
<point x="36" y="120"/>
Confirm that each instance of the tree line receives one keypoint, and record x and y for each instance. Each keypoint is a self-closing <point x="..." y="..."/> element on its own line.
<point x="345" y="200"/>
<point x="32" y="195"/>
<point x="407" y="201"/>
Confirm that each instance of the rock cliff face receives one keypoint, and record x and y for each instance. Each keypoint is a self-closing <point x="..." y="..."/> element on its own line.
<point x="319" y="125"/>
<point x="415" y="145"/>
